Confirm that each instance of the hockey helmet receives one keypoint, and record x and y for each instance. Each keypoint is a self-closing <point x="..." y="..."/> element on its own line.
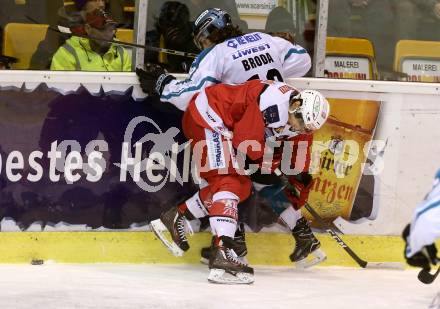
<point x="310" y="109"/>
<point x="208" y="21"/>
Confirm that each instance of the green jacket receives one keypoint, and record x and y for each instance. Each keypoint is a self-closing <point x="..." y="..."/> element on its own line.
<point x="76" y="55"/>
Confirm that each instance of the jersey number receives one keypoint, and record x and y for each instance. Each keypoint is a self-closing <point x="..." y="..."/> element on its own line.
<point x="272" y="74"/>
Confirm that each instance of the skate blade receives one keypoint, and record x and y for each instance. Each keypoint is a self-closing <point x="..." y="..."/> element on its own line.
<point x="159" y="228"/>
<point x="223" y="277"/>
<point x="204" y="261"/>
<point x="318" y="257"/>
<point x="243" y="260"/>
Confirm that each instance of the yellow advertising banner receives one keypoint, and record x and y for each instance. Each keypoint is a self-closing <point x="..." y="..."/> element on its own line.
<point x="339" y="150"/>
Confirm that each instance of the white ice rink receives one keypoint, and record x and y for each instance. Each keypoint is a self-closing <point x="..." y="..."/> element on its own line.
<point x="157" y="286"/>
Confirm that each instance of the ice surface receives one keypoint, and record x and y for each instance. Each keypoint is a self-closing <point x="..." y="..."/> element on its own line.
<point x="167" y="286"/>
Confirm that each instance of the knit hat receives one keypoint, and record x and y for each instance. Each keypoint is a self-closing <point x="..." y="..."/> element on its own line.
<point x="80" y="4"/>
<point x="99" y="19"/>
<point x="279" y="20"/>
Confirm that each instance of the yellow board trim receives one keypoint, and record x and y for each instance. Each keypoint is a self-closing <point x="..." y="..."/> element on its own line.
<point x="143" y="247"/>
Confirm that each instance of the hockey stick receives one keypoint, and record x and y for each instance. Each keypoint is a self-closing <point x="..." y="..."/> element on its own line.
<point x="426" y="277"/>
<point x="351" y="253"/>
<point x="66" y="31"/>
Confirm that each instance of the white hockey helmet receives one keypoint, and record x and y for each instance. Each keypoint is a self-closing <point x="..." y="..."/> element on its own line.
<point x="310" y="108"/>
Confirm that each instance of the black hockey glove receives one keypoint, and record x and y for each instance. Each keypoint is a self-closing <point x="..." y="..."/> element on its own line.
<point x="424" y="258"/>
<point x="153" y="78"/>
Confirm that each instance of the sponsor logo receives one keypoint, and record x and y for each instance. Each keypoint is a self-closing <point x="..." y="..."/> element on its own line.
<point x="316" y="106"/>
<point x="201" y="16"/>
<point x="215" y="150"/>
<point x="226" y="220"/>
<point x="230" y="209"/>
<point x="244" y="39"/>
<point x="218" y="149"/>
<point x="210" y="117"/>
<point x="336" y="145"/>
<point x="249" y="51"/>
<point x="285" y="88"/>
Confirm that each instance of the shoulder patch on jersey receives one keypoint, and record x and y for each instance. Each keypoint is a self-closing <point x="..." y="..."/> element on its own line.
<point x="271" y="114"/>
<point x="285" y="88"/>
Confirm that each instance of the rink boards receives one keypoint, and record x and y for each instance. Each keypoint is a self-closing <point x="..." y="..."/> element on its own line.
<point x="408" y="123"/>
<point x="143" y="247"/>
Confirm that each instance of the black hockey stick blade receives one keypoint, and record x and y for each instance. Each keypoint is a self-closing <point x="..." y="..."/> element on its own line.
<point x="426" y="277"/>
<point x="362" y="263"/>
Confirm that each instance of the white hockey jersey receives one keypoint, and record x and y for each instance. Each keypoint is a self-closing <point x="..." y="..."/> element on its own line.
<point x="425" y="226"/>
<point x="251" y="56"/>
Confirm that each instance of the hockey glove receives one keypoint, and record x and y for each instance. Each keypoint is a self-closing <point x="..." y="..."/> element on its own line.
<point x="153" y="78"/>
<point x="298" y="188"/>
<point x="424" y="258"/>
<point x="268" y="165"/>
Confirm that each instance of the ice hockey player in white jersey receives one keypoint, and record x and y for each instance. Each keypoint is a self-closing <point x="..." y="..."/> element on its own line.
<point x="228" y="56"/>
<point x="420" y="236"/>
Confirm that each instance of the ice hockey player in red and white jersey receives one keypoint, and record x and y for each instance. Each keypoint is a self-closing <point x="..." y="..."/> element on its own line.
<point x="219" y="120"/>
<point x="231" y="57"/>
<point x="228" y="56"/>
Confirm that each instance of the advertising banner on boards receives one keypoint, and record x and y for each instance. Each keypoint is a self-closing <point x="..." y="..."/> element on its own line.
<point x="72" y="159"/>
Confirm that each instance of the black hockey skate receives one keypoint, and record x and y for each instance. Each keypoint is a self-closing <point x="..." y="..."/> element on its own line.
<point x="305" y="244"/>
<point x="174" y="222"/>
<point x="239" y="246"/>
<point x="225" y="266"/>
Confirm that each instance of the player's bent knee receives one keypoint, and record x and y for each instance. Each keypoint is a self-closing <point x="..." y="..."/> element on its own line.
<point x="224" y="204"/>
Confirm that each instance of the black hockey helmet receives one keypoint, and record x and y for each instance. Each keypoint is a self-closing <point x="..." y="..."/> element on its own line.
<point x="208" y="21"/>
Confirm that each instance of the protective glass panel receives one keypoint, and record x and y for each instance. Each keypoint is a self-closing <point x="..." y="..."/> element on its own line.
<point x="400" y="39"/>
<point x="169" y="25"/>
<point x="31" y="38"/>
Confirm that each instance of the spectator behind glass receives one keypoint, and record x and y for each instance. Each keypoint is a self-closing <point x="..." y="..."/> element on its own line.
<point x="70" y="16"/>
<point x="5" y="62"/>
<point x="116" y="8"/>
<point x="175" y="29"/>
<point x="84" y="54"/>
<point x="373" y="19"/>
<point x="280" y="23"/>
<point x="417" y="19"/>
<point x="196" y="7"/>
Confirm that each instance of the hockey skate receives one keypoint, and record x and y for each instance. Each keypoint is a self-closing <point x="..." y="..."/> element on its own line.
<point x="305" y="244"/>
<point x="224" y="265"/>
<point x="174" y="222"/>
<point x="239" y="247"/>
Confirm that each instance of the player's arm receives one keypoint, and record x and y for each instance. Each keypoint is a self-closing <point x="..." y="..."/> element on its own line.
<point x="298" y="188"/>
<point x="426" y="254"/>
<point x="205" y="71"/>
<point x="296" y="60"/>
<point x="420" y="236"/>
